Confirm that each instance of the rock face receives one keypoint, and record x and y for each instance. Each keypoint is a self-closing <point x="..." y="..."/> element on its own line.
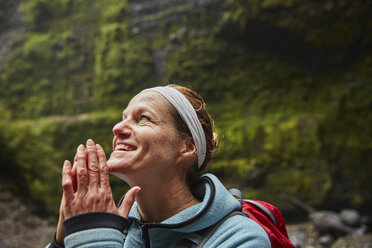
<point x="148" y="15"/>
<point x="10" y="29"/>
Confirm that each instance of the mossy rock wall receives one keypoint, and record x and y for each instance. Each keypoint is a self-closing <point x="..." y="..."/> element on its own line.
<point x="288" y="85"/>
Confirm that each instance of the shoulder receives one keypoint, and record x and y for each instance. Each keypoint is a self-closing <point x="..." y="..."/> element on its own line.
<point x="239" y="231"/>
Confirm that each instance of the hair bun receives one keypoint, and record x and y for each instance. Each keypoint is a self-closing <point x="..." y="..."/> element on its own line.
<point x="215" y="139"/>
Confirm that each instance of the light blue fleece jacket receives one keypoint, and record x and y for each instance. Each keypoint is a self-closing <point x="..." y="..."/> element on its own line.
<point x="216" y="203"/>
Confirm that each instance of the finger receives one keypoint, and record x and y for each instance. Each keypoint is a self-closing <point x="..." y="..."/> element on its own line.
<point x="81" y="171"/>
<point x="104" y="175"/>
<point x="128" y="201"/>
<point x="60" y="233"/>
<point x="93" y="168"/>
<point x="75" y="158"/>
<point x="68" y="191"/>
<point x="62" y="209"/>
<point x="73" y="175"/>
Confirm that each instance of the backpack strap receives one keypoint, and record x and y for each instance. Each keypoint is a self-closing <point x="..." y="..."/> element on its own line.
<point x="264" y="209"/>
<point x="213" y="229"/>
<point x="200" y="238"/>
<point x="237" y="193"/>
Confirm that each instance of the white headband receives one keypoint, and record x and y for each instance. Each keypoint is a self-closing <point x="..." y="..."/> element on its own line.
<point x="188" y="115"/>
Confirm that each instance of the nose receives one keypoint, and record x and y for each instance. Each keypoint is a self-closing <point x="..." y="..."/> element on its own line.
<point x="122" y="129"/>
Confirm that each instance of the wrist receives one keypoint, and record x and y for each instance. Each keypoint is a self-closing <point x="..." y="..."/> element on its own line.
<point x="59" y="239"/>
<point x="55" y="244"/>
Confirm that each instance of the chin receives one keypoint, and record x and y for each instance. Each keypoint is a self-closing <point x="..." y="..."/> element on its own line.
<point x="119" y="175"/>
<point x="118" y="167"/>
<point x="115" y="164"/>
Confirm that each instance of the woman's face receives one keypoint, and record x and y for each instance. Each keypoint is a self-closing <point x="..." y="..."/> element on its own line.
<point x="146" y="139"/>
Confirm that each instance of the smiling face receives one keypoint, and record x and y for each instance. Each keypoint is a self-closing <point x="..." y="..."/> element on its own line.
<point x="146" y="140"/>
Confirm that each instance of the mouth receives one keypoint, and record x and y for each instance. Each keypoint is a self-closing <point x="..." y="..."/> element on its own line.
<point x="125" y="147"/>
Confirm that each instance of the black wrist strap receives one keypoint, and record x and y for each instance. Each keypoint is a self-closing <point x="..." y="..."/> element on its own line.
<point x="95" y="220"/>
<point x="54" y="243"/>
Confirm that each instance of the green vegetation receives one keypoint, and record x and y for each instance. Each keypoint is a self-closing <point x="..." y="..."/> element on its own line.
<point x="287" y="82"/>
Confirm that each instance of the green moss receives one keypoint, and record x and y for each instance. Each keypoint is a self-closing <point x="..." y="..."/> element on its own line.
<point x="116" y="11"/>
<point x="39" y="46"/>
<point x="123" y="63"/>
<point x="288" y="85"/>
<point x="39" y="147"/>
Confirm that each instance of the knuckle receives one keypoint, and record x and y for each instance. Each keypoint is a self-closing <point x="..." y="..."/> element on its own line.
<point x="93" y="166"/>
<point x="66" y="184"/>
<point x="93" y="179"/>
<point x="91" y="152"/>
<point x="105" y="184"/>
<point x="94" y="199"/>
<point x="129" y="203"/>
<point x="82" y="172"/>
<point x="104" y="169"/>
<point x="107" y="199"/>
<point x="101" y="154"/>
<point x="80" y="156"/>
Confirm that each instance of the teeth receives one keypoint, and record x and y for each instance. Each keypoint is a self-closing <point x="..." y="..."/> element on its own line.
<point x="123" y="147"/>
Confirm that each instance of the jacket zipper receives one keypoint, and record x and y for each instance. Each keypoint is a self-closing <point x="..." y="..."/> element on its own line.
<point x="145" y="226"/>
<point x="145" y="235"/>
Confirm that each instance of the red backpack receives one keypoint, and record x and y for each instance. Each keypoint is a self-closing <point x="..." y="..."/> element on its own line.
<point x="266" y="215"/>
<point x="270" y="219"/>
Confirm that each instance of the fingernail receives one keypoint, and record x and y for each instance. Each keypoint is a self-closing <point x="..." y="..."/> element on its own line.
<point x="98" y="146"/>
<point x="81" y="147"/>
<point x="138" y="189"/>
<point x="65" y="163"/>
<point x="90" y="142"/>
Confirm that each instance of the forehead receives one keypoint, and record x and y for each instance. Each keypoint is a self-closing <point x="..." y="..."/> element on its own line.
<point x="149" y="100"/>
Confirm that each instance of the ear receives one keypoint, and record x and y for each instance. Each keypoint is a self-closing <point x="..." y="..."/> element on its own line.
<point x="188" y="150"/>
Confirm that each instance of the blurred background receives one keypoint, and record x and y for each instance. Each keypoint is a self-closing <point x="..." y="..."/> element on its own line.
<point x="288" y="83"/>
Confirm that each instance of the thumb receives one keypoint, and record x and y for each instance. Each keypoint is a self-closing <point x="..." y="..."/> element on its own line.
<point x="128" y="201"/>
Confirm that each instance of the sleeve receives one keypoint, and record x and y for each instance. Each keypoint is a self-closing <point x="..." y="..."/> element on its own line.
<point x="97" y="229"/>
<point x="239" y="232"/>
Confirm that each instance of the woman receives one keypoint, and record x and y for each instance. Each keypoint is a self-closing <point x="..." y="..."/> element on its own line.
<point x="160" y="148"/>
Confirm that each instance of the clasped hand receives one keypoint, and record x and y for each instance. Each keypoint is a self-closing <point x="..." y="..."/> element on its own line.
<point x="86" y="187"/>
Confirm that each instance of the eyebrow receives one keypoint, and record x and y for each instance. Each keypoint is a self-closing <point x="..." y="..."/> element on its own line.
<point x="140" y="108"/>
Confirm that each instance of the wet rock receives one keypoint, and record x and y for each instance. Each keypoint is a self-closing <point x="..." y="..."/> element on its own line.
<point x="326" y="240"/>
<point x="328" y="222"/>
<point x="351" y="217"/>
<point x="363" y="241"/>
<point x="299" y="239"/>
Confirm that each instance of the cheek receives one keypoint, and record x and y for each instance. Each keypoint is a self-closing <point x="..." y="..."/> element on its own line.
<point x="169" y="145"/>
<point x="113" y="142"/>
<point x="161" y="142"/>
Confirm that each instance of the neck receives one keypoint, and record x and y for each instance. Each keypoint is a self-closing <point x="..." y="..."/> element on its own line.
<point x="157" y="201"/>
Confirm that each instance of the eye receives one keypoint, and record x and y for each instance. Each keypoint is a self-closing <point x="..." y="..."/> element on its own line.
<point x="144" y="118"/>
